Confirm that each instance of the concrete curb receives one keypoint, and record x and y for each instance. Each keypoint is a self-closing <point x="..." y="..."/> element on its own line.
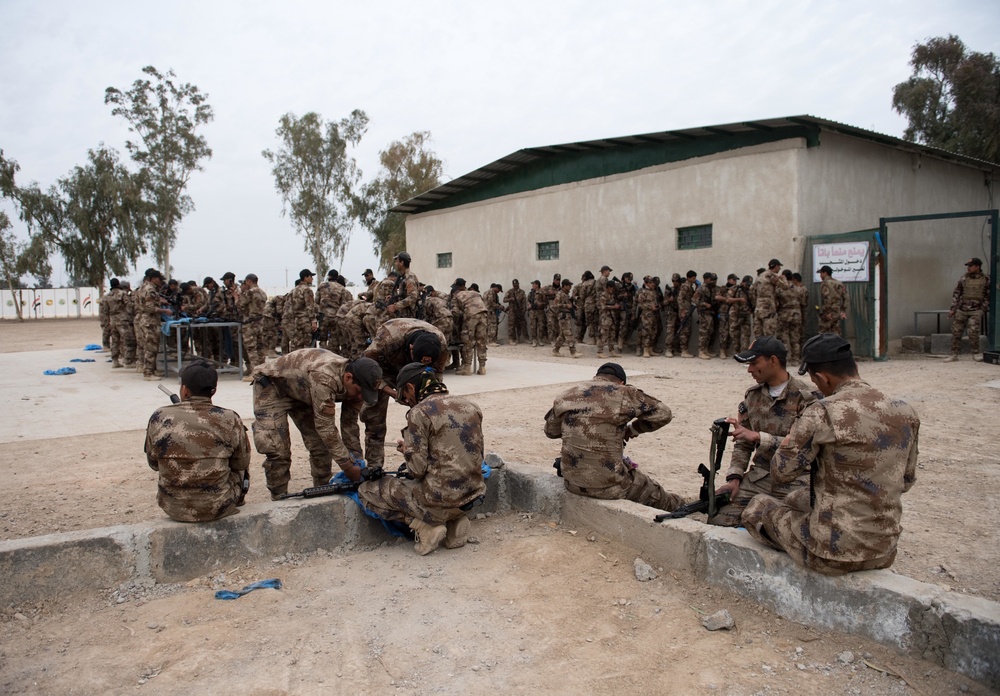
<point x="957" y="631"/>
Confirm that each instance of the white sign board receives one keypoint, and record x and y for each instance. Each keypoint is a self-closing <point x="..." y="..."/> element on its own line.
<point x="849" y="261"/>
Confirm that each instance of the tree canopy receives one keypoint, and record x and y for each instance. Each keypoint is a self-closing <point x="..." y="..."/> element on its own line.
<point x="407" y="168"/>
<point x="952" y="99"/>
<point x="165" y="115"/>
<point x="316" y="177"/>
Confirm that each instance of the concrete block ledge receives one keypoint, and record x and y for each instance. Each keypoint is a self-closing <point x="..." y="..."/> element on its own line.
<point x="957" y="631"/>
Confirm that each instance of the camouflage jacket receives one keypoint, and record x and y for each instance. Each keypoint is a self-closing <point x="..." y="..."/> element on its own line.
<point x="116" y="303"/>
<point x="742" y="310"/>
<point x="591" y="418"/>
<point x="704" y="298"/>
<point x="646" y="300"/>
<point x="549" y="292"/>
<point x="789" y="300"/>
<point x="516" y="300"/>
<point x="436" y="312"/>
<point x="492" y="301"/>
<point x="229" y="299"/>
<point x="670" y="299"/>
<point x="314" y="377"/>
<point x="537" y="300"/>
<point x="719" y="301"/>
<point x="390" y="346"/>
<point x="772" y="418"/>
<point x="609" y="302"/>
<point x="406" y="294"/>
<point x="585" y="297"/>
<point x="201" y="451"/>
<point x="562" y="304"/>
<point x="300" y="307"/>
<point x="251" y="304"/>
<point x="971" y="293"/>
<point x="685" y="298"/>
<point x="766" y="300"/>
<point x="833" y="297"/>
<point x="864" y="445"/>
<point x="147" y="303"/>
<point x="443" y="448"/>
<point x="466" y="303"/>
<point x="104" y="310"/>
<point x="330" y="295"/>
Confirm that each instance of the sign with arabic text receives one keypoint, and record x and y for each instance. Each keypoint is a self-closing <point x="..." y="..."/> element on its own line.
<point x="849" y="261"/>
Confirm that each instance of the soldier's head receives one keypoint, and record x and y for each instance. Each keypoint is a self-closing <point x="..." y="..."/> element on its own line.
<point x="974" y="265"/>
<point x="514" y="282"/>
<point x="172" y="284"/>
<point x="647" y="281"/>
<point x="361" y="381"/>
<point x="765" y="360"/>
<point x="760" y="270"/>
<point x="154" y="276"/>
<point x="429" y="289"/>
<point x="825" y="272"/>
<point x="402" y="261"/>
<point x="676" y="279"/>
<point x="556" y="280"/>
<point x="332" y="275"/>
<point x="415" y="381"/>
<point x="499" y="288"/>
<point x="474" y="287"/>
<point x="747" y="281"/>
<point x="228" y="279"/>
<point x="459" y="284"/>
<point x="126" y="285"/>
<point x="209" y="283"/>
<point x="566" y="285"/>
<point x="587" y="275"/>
<point x="732" y="279"/>
<point x="829" y="361"/>
<point x="627" y="277"/>
<point x="787" y="273"/>
<point x="536" y="285"/>
<point x="797" y="278"/>
<point x="425" y="347"/>
<point x="250" y="280"/>
<point x="691" y="276"/>
<point x="612" y="372"/>
<point x="611" y="288"/>
<point x="115" y="283"/>
<point x="774" y="265"/>
<point x="605" y="271"/>
<point x="198" y="379"/>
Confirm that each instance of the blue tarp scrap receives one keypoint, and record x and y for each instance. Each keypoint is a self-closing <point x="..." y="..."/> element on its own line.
<point x="165" y="327"/>
<point x="93" y="346"/>
<point x="83" y="360"/>
<point x="61" y="371"/>
<point x="274" y="583"/>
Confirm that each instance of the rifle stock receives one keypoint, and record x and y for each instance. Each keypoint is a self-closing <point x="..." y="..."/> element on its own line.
<point x="707" y="500"/>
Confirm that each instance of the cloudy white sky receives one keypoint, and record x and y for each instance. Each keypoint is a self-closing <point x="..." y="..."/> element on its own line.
<point x="485" y="79"/>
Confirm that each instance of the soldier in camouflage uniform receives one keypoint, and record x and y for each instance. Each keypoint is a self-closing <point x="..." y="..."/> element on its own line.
<point x="200" y="451"/>
<point x="594" y="420"/>
<point x="833" y="302"/>
<point x="377" y="311"/>
<point x="270" y="324"/>
<point x="708" y="316"/>
<point x="114" y="302"/>
<point x="626" y="309"/>
<point x="443" y="448"/>
<point x="330" y="295"/>
<point x="609" y="311"/>
<point x="301" y="310"/>
<point x="306" y="385"/>
<point x="789" y="317"/>
<point x="740" y="314"/>
<point x="802" y="293"/>
<point x="766" y="301"/>
<point x="581" y="295"/>
<point x="562" y="305"/>
<point x="406" y="290"/>
<point x="491" y="298"/>
<point x="551" y="315"/>
<point x="649" y="316"/>
<point x="517" y="308"/>
<point x="251" y="304"/>
<point x="537" y="304"/>
<point x="671" y="345"/>
<point x="861" y="446"/>
<point x="149" y="308"/>
<point x="355" y="334"/>
<point x="969" y="302"/>
<point x="723" y="304"/>
<point x="468" y="307"/>
<point x="438" y="313"/>
<point x="104" y="318"/>
<point x="764" y="417"/>
<point x="685" y="312"/>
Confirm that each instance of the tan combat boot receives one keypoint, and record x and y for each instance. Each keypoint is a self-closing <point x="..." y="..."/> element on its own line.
<point x="704" y="355"/>
<point x="978" y="357"/>
<point x="951" y="358"/>
<point x="115" y="365"/>
<point x="600" y="352"/>
<point x="481" y="370"/>
<point x="458" y="533"/>
<point x="646" y="353"/>
<point x="669" y="353"/>
<point x="464" y="370"/>
<point x="429" y="536"/>
<point x="686" y="354"/>
<point x="555" y="351"/>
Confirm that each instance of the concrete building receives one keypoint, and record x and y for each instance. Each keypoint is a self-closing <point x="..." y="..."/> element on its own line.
<point x="718" y="198"/>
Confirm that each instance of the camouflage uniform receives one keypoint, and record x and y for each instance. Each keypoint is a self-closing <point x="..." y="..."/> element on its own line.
<point x="377" y="310"/>
<point x="438" y="313"/>
<point x="129" y="328"/>
<point x="270" y="323"/>
<point x="468" y="307"/>
<point x="251" y="307"/>
<point x="301" y="310"/>
<point x="119" y="323"/>
<point x="538" y="302"/>
<point x="671" y="344"/>
<point x="626" y="312"/>
<point x="740" y="317"/>
<point x="104" y="318"/>
<point x="390" y="348"/>
<point x="517" y="307"/>
<point x="592" y="420"/>
<point x="330" y="295"/>
<point x="583" y="297"/>
<point x="562" y="305"/>
<point x="969" y="302"/>
<point x="405" y="296"/>
<point x="766" y="303"/>
<point x="147" y="315"/>
<point x="708" y="319"/>
<point x="591" y="310"/>
<point x="861" y="446"/>
<point x="685" y="299"/>
<point x="551" y="314"/>
<point x="790" y="320"/>
<point x="649" y="317"/>
<point x="772" y="417"/>
<point x="353" y="328"/>
<point x="492" y="301"/>
<point x="304" y="385"/>
<point x="722" y="311"/>
<point x="201" y="453"/>
<point x="609" y="311"/>
<point x="833" y="302"/>
<point x="443" y="448"/>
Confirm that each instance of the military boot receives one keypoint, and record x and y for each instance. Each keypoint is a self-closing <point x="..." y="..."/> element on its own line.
<point x="686" y="353"/>
<point x="951" y="358"/>
<point x="555" y="351"/>
<point x="115" y="365"/>
<point x="481" y="370"/>
<point x="429" y="536"/>
<point x="646" y="353"/>
<point x="978" y="357"/>
<point x="458" y="533"/>
<point x="704" y="355"/>
<point x="534" y="343"/>
<point x="600" y="352"/>
<point x="464" y="370"/>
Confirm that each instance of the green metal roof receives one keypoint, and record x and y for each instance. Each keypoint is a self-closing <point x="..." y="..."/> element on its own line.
<point x="541" y="167"/>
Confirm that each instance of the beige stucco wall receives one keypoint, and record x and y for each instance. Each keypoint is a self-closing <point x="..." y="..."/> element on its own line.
<point x="626" y="221"/>
<point x="848" y="184"/>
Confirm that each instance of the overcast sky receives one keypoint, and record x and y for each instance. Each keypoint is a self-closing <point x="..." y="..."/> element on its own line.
<point x="485" y="79"/>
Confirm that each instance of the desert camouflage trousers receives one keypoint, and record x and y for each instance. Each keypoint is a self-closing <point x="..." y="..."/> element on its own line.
<point x="536" y="319"/>
<point x="649" y="326"/>
<point x="517" y="326"/>
<point x="755" y="482"/>
<point x="768" y="324"/>
<point x="394" y="499"/>
<point x="784" y="525"/>
<point x="253" y="344"/>
<point x="739" y="332"/>
<point x="829" y="323"/>
<point x="790" y="333"/>
<point x="972" y="320"/>
<point x="149" y="348"/>
<point x="640" y="489"/>
<point x="122" y="341"/>
<point x="707" y="325"/>
<point x="566" y="334"/>
<point x="608" y="337"/>
<point x="474" y="339"/>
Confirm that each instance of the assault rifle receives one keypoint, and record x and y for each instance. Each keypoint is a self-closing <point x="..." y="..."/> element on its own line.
<point x="707" y="500"/>
<point x="371" y="473"/>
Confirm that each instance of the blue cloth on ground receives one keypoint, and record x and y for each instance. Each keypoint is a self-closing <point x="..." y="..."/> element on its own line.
<point x="229" y="594"/>
<point x="61" y="371"/>
<point x="93" y="346"/>
<point x="83" y="360"/>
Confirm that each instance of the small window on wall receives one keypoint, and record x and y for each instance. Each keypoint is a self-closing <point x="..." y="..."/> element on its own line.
<point x="548" y="251"/>
<point x="444" y="260"/>
<point x="697" y="237"/>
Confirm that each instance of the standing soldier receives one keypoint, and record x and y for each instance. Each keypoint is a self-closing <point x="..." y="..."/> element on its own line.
<point x="382" y="294"/>
<point x="723" y="304"/>
<point x="649" y="316"/>
<point x="969" y="302"/>
<point x="537" y="303"/>
<point x="149" y="309"/>
<point x="609" y="311"/>
<point x="802" y="293"/>
<point x="580" y="296"/>
<point x="766" y="304"/>
<point x="705" y="299"/>
<point x="833" y="302"/>
<point x="740" y="315"/>
<point x="626" y="310"/>
<point x="685" y="312"/>
<point x="301" y="308"/>
<point x="251" y="303"/>
<point x="590" y="303"/>
<point x="406" y="289"/>
<point x="269" y="325"/>
<point x="491" y="298"/>
<point x="114" y="303"/>
<point x="128" y="323"/>
<point x="104" y="318"/>
<point x="789" y="317"/>
<point x="551" y="315"/>
<point x="352" y="327"/>
<point x="670" y="315"/>
<point x="517" y="307"/>
<point x="468" y="307"/>
<point x="563" y="307"/>
<point x="437" y="312"/>
<point x="330" y="294"/>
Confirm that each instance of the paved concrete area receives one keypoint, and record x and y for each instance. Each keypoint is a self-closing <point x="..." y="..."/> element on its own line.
<point x="98" y="399"/>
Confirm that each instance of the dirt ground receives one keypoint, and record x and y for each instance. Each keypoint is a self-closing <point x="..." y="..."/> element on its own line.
<point x="496" y="614"/>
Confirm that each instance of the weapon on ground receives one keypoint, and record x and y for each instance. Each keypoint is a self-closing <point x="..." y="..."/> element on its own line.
<point x="367" y="474"/>
<point x="707" y="500"/>
<point x="174" y="399"/>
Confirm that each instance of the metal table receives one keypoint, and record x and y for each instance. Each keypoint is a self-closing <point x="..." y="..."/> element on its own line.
<point x="176" y="328"/>
<point x="938" y="312"/>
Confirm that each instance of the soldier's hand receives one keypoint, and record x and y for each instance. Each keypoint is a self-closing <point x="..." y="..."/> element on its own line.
<point x="951" y="314"/>
<point x="399" y="446"/>
<point x="731" y="487"/>
<point x="741" y="434"/>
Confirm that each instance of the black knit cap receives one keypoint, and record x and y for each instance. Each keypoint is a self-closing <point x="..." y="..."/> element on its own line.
<point x="613" y="369"/>
<point x="200" y="378"/>
<point x="425" y="345"/>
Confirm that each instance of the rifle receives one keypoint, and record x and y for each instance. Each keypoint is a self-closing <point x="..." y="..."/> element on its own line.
<point x="707" y="500"/>
<point x="367" y="474"/>
<point x="174" y="399"/>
